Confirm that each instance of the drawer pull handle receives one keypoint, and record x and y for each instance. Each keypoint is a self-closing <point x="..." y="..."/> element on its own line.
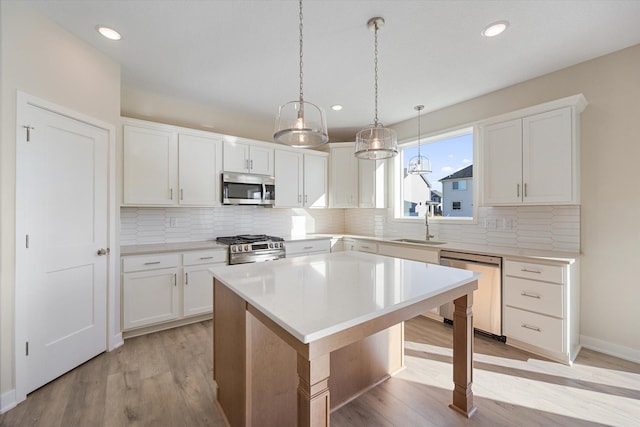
<point x="533" y="328"/>
<point x="151" y="263"/>
<point x="525" y="294"/>
<point x="531" y="271"/>
<point x="186" y="278"/>
<point x="206" y="257"/>
<point x="308" y="247"/>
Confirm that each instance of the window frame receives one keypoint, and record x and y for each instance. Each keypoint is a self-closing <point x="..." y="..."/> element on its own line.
<point x="396" y="177"/>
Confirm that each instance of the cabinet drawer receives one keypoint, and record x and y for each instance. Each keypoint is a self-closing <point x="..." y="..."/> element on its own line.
<point x="534" y="329"/>
<point x="204" y="257"/>
<point x="424" y="255"/>
<point x="302" y="247"/>
<point x="149" y="262"/>
<point x="541" y="297"/>
<point x="366" y="247"/>
<point x="544" y="272"/>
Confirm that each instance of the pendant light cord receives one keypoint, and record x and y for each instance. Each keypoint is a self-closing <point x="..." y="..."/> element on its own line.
<point x="300" y="17"/>
<point x="419" y="132"/>
<point x="375" y="69"/>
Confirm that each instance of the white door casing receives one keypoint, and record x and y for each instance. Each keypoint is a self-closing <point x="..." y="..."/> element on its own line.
<point x="63" y="202"/>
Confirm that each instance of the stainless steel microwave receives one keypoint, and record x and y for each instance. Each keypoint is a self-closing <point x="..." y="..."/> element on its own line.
<point x="248" y="189"/>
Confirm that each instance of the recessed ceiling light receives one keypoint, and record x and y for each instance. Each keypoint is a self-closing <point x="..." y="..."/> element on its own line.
<point x="336" y="107"/>
<point x="109" y="33"/>
<point x="495" y="28"/>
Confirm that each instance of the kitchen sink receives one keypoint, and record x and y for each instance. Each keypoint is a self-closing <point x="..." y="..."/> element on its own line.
<point x="419" y="242"/>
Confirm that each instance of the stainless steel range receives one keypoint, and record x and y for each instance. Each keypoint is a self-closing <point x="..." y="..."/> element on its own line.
<point x="248" y="248"/>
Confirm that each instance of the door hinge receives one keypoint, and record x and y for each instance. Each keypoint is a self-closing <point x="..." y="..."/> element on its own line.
<point x="29" y="129"/>
<point x="26" y="349"/>
<point x="26" y="241"/>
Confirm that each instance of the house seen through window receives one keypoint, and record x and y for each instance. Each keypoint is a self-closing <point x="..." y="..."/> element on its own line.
<point x="448" y="190"/>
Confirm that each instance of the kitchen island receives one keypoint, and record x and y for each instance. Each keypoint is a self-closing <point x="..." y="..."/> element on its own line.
<point x="296" y="338"/>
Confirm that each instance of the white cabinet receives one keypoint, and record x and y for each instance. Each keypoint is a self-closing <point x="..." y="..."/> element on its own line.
<point x="199" y="167"/>
<point x="372" y="188"/>
<point x="541" y="308"/>
<point x="533" y="159"/>
<point x="415" y="254"/>
<point x="307" y="247"/>
<point x="316" y="181"/>
<point x="150" y="289"/>
<point x="248" y="157"/>
<point x="360" y="245"/>
<point x="356" y="182"/>
<point x="167" y="289"/>
<point x="150" y="166"/>
<point x="166" y="165"/>
<point x="301" y="179"/>
<point x="343" y="190"/>
<point x="197" y="295"/>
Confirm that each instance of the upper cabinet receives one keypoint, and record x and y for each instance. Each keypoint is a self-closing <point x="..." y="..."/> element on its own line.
<point x="532" y="159"/>
<point x="355" y="182"/>
<point x="164" y="165"/>
<point x="301" y="179"/>
<point x="247" y="157"/>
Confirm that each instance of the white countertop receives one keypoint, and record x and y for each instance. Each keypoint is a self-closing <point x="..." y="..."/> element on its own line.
<point x="151" y="248"/>
<point x="315" y="296"/>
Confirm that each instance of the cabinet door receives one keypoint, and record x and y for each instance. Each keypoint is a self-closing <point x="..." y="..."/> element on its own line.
<point x="288" y="173"/>
<point x="548" y="158"/>
<point x="344" y="178"/>
<point x="199" y="169"/>
<point x="372" y="183"/>
<point x="150" y="166"/>
<point x="315" y="181"/>
<point x="197" y="297"/>
<point x="235" y="157"/>
<point x="261" y="160"/>
<point x="502" y="157"/>
<point x="149" y="297"/>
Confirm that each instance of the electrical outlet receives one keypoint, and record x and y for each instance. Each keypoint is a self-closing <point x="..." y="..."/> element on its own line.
<point x="507" y="223"/>
<point x="173" y="222"/>
<point x="490" y="223"/>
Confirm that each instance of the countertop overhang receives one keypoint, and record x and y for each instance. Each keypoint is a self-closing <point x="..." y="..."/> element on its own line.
<point x="315" y="296"/>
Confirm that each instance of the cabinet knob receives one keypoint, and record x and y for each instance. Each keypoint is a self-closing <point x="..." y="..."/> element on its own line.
<point x="103" y="251"/>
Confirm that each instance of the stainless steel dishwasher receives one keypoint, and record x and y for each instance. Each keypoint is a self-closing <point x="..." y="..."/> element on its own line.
<point x="487" y="299"/>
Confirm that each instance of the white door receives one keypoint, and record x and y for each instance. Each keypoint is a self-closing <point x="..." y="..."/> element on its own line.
<point x="261" y="160"/>
<point x="235" y="157"/>
<point x="502" y="156"/>
<point x="61" y="224"/>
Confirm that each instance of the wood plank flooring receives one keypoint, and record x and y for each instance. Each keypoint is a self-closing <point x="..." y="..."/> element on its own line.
<point x="165" y="379"/>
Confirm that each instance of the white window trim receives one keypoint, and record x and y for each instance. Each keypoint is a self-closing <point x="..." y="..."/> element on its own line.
<point x="396" y="167"/>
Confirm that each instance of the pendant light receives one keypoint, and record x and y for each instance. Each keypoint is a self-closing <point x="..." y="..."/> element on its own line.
<point x="376" y="142"/>
<point x="419" y="164"/>
<point x="300" y="123"/>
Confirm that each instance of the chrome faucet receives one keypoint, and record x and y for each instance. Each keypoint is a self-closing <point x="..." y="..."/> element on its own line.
<point x="426" y="223"/>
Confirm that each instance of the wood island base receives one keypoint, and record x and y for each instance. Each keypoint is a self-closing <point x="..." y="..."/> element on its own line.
<point x="266" y="377"/>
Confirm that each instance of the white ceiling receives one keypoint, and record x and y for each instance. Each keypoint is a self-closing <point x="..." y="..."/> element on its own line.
<point x="242" y="55"/>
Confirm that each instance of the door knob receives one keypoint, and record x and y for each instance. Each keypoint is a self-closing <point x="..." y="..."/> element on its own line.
<point x="103" y="251"/>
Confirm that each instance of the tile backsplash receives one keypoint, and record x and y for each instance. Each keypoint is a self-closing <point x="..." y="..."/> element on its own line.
<point x="528" y="227"/>
<point x="140" y="225"/>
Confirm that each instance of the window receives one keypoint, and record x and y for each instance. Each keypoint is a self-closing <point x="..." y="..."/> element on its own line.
<point x="459" y="185"/>
<point x="451" y="156"/>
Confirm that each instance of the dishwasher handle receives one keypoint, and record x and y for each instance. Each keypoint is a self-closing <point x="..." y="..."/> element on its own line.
<point x="475" y="258"/>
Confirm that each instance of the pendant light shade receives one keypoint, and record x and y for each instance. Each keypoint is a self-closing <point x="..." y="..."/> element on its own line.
<point x="419" y="164"/>
<point x="376" y="142"/>
<point x="300" y="123"/>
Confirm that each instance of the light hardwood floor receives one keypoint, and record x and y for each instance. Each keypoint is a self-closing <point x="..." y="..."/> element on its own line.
<point x="165" y="379"/>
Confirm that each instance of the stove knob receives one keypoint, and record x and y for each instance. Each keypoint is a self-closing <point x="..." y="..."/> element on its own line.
<point x="270" y="245"/>
<point x="281" y="245"/>
<point x="233" y="248"/>
<point x="246" y="248"/>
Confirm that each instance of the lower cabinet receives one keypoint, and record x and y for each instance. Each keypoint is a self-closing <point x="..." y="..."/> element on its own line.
<point x="163" y="289"/>
<point x="360" y="246"/>
<point x="415" y="254"/>
<point x="307" y="247"/>
<point x="541" y="308"/>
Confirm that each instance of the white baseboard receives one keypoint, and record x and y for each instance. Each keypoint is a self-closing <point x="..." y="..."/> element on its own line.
<point x="115" y="342"/>
<point x="7" y="401"/>
<point x="612" y="349"/>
